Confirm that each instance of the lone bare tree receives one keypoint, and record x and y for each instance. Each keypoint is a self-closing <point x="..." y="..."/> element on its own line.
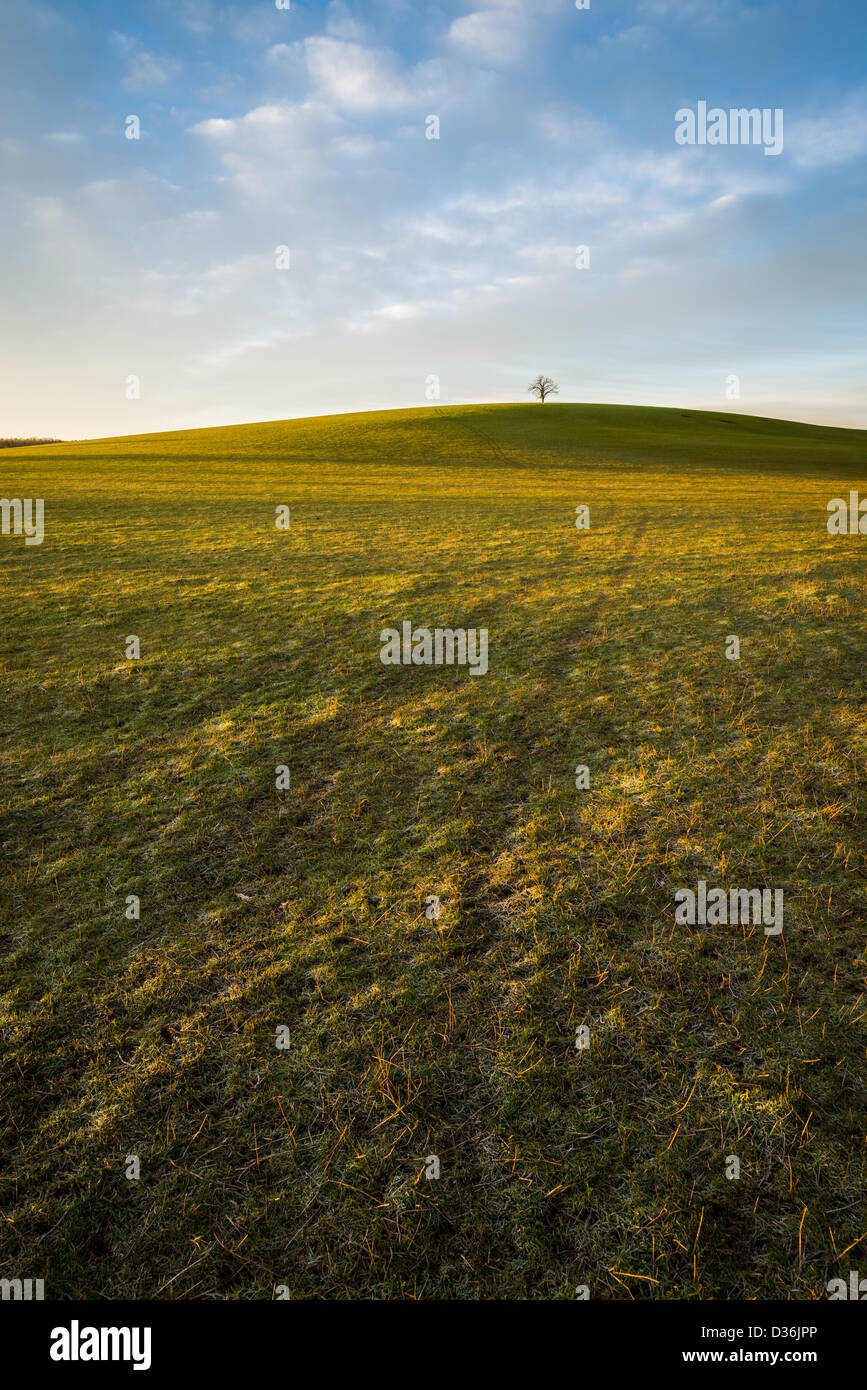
<point x="543" y="387"/>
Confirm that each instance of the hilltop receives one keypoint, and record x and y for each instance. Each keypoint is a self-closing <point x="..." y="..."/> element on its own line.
<point x="551" y="435"/>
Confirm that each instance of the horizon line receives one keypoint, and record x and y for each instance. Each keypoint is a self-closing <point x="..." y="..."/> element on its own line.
<point x="436" y="405"/>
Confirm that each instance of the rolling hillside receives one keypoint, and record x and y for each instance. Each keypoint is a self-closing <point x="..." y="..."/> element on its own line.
<point x="309" y="907"/>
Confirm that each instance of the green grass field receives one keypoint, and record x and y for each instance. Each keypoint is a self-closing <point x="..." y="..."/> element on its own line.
<point x="260" y="908"/>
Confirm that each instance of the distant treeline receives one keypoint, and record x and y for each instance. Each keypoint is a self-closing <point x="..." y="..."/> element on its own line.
<point x="17" y="443"/>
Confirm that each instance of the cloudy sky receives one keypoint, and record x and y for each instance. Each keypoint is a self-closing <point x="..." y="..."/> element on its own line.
<point x="410" y="257"/>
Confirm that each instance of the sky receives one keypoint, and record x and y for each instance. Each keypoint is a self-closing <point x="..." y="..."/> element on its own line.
<point x="141" y="284"/>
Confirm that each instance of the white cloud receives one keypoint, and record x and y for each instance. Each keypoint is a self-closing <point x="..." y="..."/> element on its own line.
<point x="355" y="77"/>
<point x="834" y="138"/>
<point x="340" y="24"/>
<point x="230" y="351"/>
<point x="144" y="69"/>
<point x="491" y="36"/>
<point x="272" y="145"/>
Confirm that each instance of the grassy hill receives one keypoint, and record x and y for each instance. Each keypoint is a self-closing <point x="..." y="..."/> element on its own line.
<point x="305" y="908"/>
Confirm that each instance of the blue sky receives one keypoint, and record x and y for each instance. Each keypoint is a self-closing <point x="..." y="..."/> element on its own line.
<point x="413" y="258"/>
